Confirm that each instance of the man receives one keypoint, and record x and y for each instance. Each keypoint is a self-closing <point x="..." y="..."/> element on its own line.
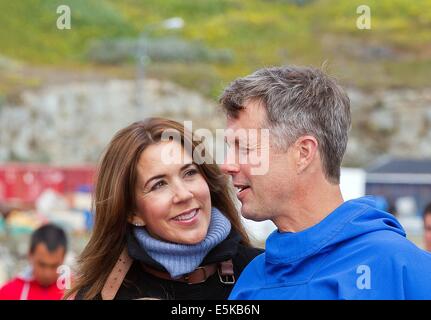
<point x="324" y="248"/>
<point x="47" y="252"/>
<point x="427" y="227"/>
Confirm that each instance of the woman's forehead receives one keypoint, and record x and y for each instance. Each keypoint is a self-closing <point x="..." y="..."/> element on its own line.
<point x="164" y="155"/>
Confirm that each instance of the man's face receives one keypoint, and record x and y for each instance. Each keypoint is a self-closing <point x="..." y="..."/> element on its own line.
<point x="427" y="231"/>
<point x="263" y="196"/>
<point x="45" y="264"/>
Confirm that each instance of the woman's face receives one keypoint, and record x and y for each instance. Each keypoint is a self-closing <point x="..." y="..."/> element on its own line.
<point x="172" y="199"/>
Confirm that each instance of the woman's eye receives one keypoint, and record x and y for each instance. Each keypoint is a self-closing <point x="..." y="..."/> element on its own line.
<point x="191" y="172"/>
<point x="158" y="185"/>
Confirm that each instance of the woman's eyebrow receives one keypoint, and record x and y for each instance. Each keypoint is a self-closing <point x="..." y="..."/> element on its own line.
<point x="159" y="176"/>
<point x="186" y="166"/>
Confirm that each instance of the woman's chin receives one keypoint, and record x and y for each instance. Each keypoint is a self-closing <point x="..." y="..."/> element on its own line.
<point x="193" y="239"/>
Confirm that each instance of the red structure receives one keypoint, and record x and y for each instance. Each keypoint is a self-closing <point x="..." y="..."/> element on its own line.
<point x="23" y="183"/>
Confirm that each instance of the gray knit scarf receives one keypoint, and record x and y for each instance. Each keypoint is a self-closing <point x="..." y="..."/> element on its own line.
<point x="180" y="259"/>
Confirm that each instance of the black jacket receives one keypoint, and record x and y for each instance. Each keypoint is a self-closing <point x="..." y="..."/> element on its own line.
<point x="140" y="284"/>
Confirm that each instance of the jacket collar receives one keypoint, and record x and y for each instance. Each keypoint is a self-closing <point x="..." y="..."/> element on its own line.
<point x="287" y="247"/>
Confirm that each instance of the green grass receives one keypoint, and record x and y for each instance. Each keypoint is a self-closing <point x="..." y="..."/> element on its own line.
<point x="28" y="29"/>
<point x="259" y="33"/>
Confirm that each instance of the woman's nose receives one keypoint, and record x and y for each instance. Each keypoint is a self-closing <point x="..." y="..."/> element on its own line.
<point x="182" y="193"/>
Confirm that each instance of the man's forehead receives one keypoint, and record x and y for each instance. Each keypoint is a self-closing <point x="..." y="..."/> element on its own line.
<point x="42" y="250"/>
<point x="243" y="135"/>
<point x="251" y="117"/>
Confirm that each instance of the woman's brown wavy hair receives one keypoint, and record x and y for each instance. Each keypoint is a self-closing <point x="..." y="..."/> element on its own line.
<point x="114" y="200"/>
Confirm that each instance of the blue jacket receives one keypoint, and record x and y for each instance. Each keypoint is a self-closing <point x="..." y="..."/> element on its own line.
<point x="356" y="252"/>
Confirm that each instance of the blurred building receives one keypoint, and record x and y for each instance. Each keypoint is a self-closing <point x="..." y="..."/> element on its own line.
<point x="405" y="183"/>
<point x="23" y="183"/>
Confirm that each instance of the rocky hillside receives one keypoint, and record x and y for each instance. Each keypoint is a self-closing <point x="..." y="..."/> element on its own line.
<point x="69" y="123"/>
<point x="389" y="122"/>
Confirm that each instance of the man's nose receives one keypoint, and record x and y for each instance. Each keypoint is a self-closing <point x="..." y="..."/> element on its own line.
<point x="229" y="168"/>
<point x="230" y="165"/>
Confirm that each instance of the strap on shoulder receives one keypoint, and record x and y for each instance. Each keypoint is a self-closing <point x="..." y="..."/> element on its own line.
<point x="117" y="275"/>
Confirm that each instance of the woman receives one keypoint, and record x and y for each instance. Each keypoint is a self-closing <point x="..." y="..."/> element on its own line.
<point x="163" y="229"/>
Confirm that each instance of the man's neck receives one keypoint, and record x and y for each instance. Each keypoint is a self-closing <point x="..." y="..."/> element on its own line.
<point x="309" y="209"/>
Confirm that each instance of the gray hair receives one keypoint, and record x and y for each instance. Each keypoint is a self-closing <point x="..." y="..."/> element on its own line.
<point x="298" y="101"/>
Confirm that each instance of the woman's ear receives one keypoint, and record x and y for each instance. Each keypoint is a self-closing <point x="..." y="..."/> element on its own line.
<point x="136" y="221"/>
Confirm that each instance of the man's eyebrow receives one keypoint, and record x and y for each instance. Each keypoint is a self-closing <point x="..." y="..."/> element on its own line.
<point x="159" y="176"/>
<point x="236" y="141"/>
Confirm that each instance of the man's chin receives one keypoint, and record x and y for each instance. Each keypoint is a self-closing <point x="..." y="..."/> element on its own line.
<point x="250" y="215"/>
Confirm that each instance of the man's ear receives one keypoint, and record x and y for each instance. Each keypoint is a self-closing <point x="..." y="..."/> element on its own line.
<point x="136" y="220"/>
<point x="307" y="147"/>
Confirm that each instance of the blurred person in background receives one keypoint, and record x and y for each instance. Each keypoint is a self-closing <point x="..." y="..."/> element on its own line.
<point x="48" y="247"/>
<point x="427" y="227"/>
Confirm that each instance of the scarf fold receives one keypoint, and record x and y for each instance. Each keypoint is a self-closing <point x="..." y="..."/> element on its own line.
<point x="180" y="259"/>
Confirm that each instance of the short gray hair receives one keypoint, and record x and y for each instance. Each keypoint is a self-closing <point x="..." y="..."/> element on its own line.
<point x="298" y="101"/>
